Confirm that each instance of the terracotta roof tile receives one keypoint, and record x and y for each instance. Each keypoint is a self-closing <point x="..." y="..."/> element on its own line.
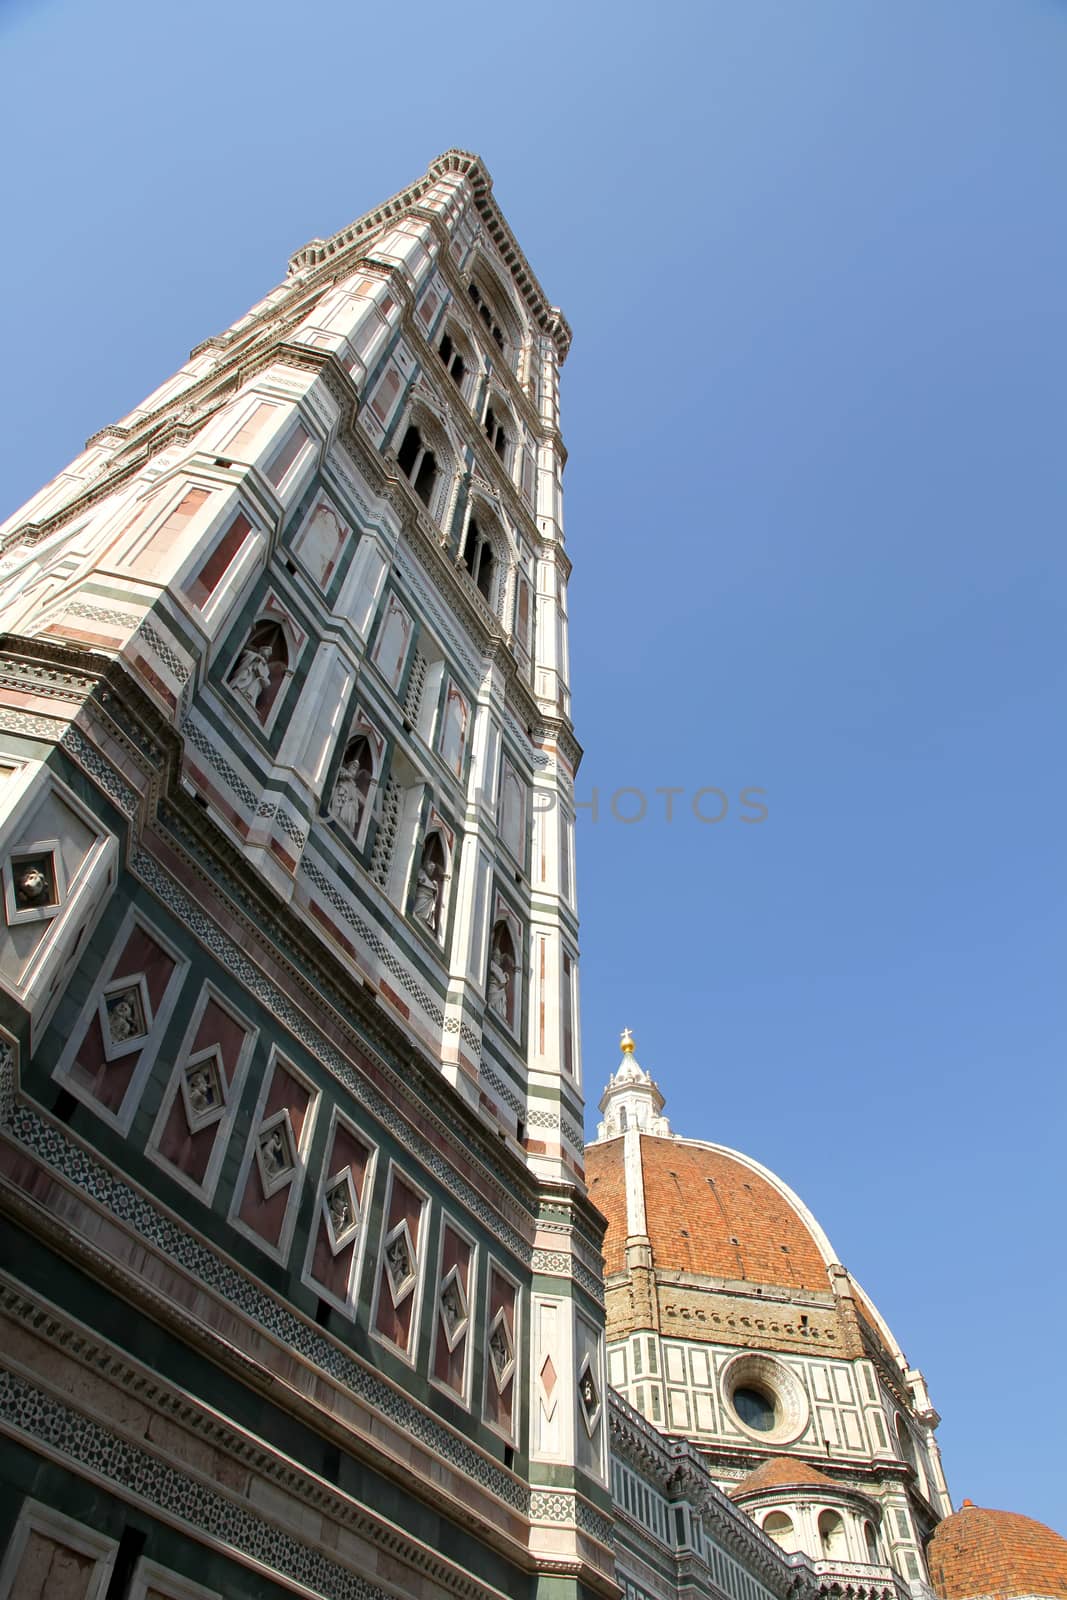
<point x="709" y="1213"/>
<point x="782" y="1472"/>
<point x="998" y="1553"/>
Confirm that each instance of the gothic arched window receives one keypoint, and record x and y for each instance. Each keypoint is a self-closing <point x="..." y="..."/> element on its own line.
<point x="452" y="357"/>
<point x="496" y="429"/>
<point x="418" y="463"/>
<point x="479" y="559"/>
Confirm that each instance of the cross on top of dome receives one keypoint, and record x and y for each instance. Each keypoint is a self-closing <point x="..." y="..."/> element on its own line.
<point x="632" y="1098"/>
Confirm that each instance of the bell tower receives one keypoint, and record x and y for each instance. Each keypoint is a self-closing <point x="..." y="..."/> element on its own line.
<point x="289" y="981"/>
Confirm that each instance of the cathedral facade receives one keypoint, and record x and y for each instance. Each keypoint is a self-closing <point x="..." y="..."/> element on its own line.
<point x="307" y="1283"/>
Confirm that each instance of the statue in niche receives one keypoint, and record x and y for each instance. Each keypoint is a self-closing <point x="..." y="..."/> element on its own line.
<point x="499" y="982"/>
<point x="501" y="973"/>
<point x="252" y="674"/>
<point x="587" y="1390"/>
<point x="349" y="798"/>
<point x="451" y="1307"/>
<point x="32" y="887"/>
<point x="203" y="1090"/>
<point x="430" y="883"/>
<point x="275" y="1152"/>
<point x="337" y="1203"/>
<point x="123" y="1020"/>
<point x="426" y="895"/>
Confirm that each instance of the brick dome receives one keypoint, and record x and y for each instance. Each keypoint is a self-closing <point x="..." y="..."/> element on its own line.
<point x="710" y="1212"/>
<point x="975" y="1552"/>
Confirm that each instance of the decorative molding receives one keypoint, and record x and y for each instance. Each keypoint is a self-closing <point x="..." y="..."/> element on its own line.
<point x="187" y="1253"/>
<point x="210" y="1515"/>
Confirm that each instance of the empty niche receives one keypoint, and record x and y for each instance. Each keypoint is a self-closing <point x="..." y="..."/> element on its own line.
<point x="319" y="543"/>
<point x="512" y="811"/>
<point x="455" y="720"/>
<point x="391" y="645"/>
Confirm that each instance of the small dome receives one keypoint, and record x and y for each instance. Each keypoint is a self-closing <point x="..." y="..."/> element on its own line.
<point x="996" y="1553"/>
<point x="782" y="1472"/>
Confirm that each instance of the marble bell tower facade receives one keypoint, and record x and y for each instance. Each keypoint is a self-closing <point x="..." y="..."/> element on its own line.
<point x="299" y="1283"/>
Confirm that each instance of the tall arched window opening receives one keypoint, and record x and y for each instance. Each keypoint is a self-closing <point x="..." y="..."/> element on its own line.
<point x="479" y="560"/>
<point x="454" y="363"/>
<point x="418" y="463"/>
<point x="496" y="433"/>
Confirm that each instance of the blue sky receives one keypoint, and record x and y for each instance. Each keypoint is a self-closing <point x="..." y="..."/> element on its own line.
<point x="814" y="256"/>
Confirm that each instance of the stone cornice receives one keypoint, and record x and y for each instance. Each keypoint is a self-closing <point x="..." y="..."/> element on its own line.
<point x="548" y="318"/>
<point x="176" y="1407"/>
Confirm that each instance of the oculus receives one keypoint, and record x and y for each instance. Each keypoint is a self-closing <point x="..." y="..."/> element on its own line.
<point x="765" y="1398"/>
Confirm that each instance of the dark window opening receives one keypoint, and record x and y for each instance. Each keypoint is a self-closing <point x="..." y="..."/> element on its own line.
<point x="127" y="1556"/>
<point x="756" y="1409"/>
<point x="426" y="477"/>
<point x="496" y="433"/>
<point x="485" y="313"/>
<point x="479" y="560"/>
<point x="418" y="464"/>
<point x="64" y="1106"/>
<point x="409" y="450"/>
<point x="454" y="363"/>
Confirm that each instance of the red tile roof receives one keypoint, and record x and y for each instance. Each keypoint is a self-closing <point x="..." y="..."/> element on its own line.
<point x="998" y="1553"/>
<point x="782" y="1472"/>
<point x="710" y="1214"/>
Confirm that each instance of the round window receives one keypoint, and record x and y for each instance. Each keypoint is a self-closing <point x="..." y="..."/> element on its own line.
<point x="755" y="1408"/>
<point x="766" y="1398"/>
